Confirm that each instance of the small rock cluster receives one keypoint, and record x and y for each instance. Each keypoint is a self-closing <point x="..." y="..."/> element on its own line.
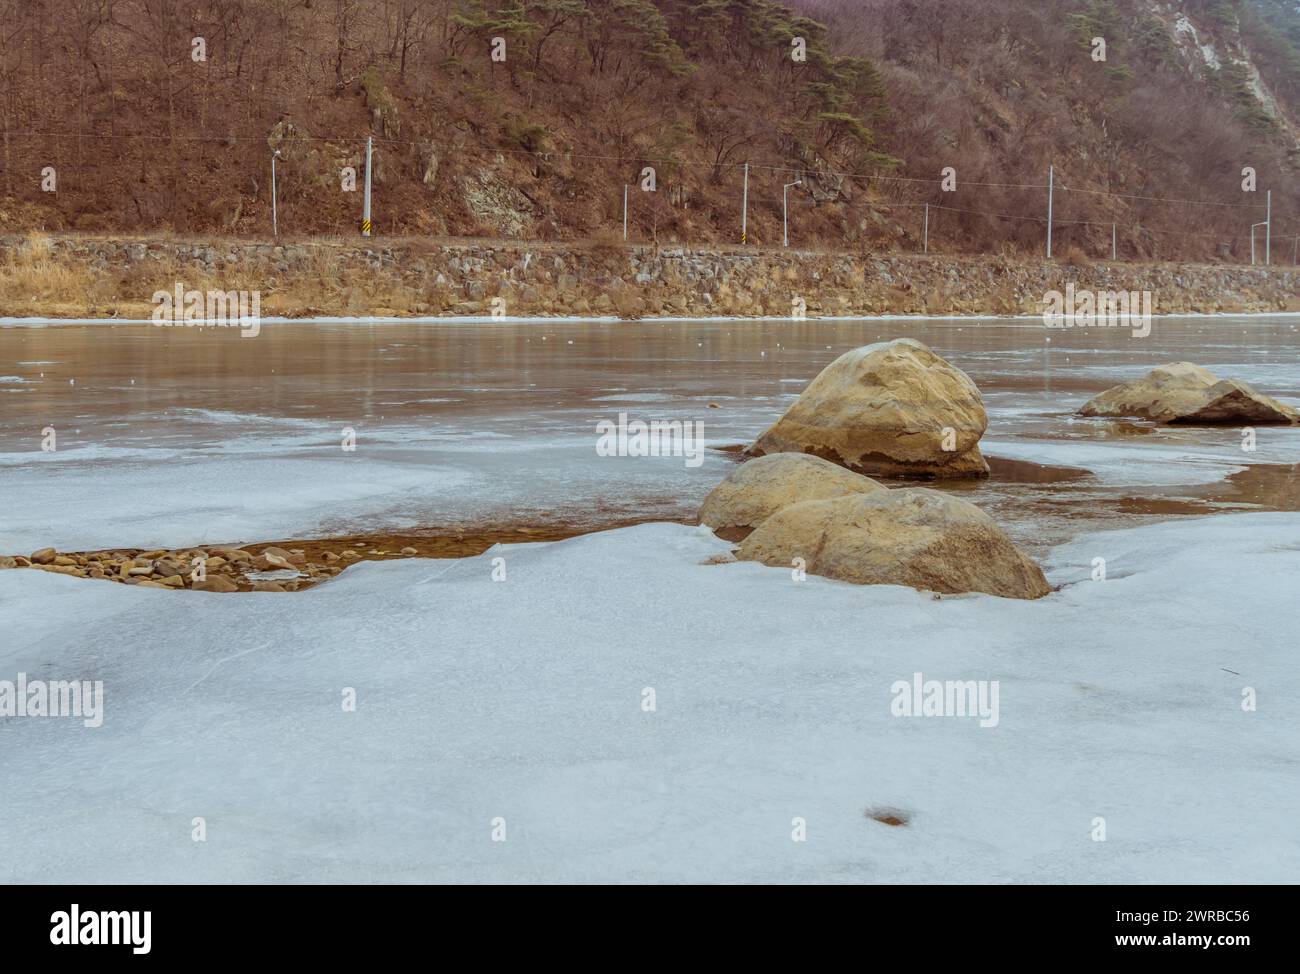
<point x="214" y="569"/>
<point x="804" y="503"/>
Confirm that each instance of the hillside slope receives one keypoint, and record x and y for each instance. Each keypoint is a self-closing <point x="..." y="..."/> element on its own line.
<point x="527" y="118"/>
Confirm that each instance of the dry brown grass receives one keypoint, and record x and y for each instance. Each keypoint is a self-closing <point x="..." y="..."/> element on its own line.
<point x="38" y="280"/>
<point x="1075" y="257"/>
<point x="34" y="279"/>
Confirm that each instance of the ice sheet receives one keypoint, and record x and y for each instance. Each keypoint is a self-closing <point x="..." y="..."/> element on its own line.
<point x="521" y="700"/>
<point x="170" y="437"/>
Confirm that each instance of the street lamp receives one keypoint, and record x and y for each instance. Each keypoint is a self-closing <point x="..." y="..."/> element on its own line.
<point x="1252" y="240"/>
<point x="275" y="215"/>
<point x="785" y="211"/>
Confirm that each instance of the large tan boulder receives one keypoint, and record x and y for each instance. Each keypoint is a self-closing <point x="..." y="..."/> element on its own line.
<point x="1186" y="393"/>
<point x="907" y="536"/>
<point x="893" y="409"/>
<point x="759" y="488"/>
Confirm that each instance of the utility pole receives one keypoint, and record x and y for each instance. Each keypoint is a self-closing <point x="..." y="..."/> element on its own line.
<point x="275" y="214"/>
<point x="785" y="212"/>
<point x="925" y="238"/>
<point x="1114" y="251"/>
<point x="1268" y="229"/>
<point x="625" y="212"/>
<point x="1051" y="183"/>
<point x="365" y="215"/>
<point x="744" y="210"/>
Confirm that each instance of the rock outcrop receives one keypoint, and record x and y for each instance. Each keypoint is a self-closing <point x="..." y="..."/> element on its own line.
<point x="893" y="409"/>
<point x="1186" y="393"/>
<point x="910" y="536"/>
<point x="759" y="488"/>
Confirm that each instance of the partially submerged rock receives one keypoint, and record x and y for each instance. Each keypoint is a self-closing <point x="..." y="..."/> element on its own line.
<point x="1186" y="393"/>
<point x="760" y="487"/>
<point x="893" y="409"/>
<point x="907" y="536"/>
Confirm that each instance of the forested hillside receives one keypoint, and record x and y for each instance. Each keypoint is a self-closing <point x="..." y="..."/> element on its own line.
<point x="527" y="118"/>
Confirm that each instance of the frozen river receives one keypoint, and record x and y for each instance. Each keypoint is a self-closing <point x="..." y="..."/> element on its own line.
<point x="179" y="436"/>
<point x="482" y="705"/>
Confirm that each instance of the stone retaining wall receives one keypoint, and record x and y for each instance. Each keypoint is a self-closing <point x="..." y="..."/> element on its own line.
<point x="412" y="276"/>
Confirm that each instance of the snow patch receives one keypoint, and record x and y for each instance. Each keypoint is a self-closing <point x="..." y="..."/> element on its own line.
<point x="522" y="700"/>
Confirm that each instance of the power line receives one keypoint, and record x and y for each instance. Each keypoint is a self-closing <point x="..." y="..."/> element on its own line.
<point x="1155" y="199"/>
<point x="547" y="155"/>
<point x="800" y="199"/>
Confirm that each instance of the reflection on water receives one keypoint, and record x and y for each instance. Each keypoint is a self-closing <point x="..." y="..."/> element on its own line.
<point x="510" y="408"/>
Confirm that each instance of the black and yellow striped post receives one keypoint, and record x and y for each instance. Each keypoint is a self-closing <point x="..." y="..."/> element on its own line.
<point x="365" y="215"/>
